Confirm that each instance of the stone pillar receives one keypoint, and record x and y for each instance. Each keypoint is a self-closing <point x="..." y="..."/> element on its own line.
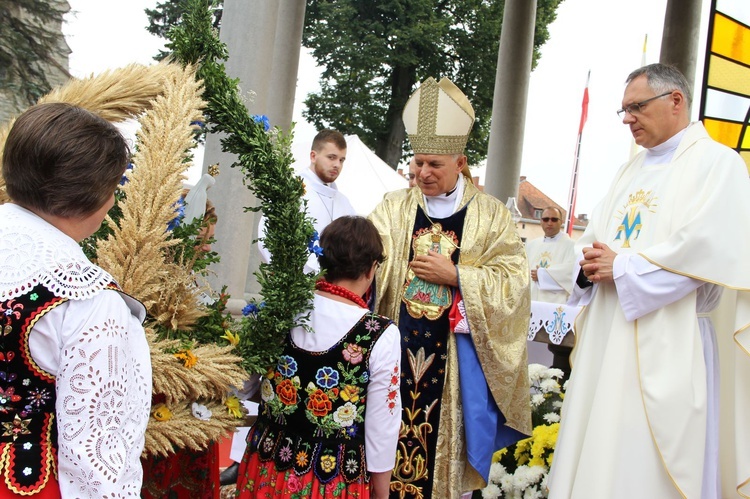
<point x="679" y="42"/>
<point x="263" y="39"/>
<point x="509" y="103"/>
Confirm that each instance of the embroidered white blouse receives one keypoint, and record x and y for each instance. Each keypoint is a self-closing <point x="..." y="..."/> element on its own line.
<point x="94" y="345"/>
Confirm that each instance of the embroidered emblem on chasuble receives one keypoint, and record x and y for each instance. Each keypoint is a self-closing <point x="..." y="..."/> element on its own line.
<point x="28" y="430"/>
<point x="424" y="347"/>
<point x="545" y="259"/>
<point x="426" y="299"/>
<point x="630" y="218"/>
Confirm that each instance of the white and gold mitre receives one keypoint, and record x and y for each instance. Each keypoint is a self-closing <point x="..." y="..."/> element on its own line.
<point x="438" y="118"/>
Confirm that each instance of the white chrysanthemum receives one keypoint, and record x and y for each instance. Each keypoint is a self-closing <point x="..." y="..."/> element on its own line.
<point x="565" y="385"/>
<point x="506" y="483"/>
<point x="557" y="404"/>
<point x="536" y="372"/>
<point x="549" y="386"/>
<point x="551" y="417"/>
<point x="554" y="372"/>
<point x="537" y="399"/>
<point x="532" y="493"/>
<point x="528" y="476"/>
<point x="497" y="471"/>
<point x="491" y="491"/>
<point x="266" y="390"/>
<point x="345" y="415"/>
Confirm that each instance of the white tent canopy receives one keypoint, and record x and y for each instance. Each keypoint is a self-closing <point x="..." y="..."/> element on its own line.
<point x="365" y="177"/>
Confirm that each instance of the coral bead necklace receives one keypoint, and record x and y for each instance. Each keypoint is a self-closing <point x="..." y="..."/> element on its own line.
<point x="328" y="287"/>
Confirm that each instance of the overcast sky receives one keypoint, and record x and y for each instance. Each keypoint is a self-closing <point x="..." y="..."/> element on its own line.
<point x="605" y="37"/>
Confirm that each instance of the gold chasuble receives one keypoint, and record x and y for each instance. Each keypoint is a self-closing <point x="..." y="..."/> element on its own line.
<point x="493" y="274"/>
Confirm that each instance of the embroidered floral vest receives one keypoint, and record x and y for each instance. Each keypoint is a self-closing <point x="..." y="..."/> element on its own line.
<point x="28" y="438"/>
<point x="312" y="416"/>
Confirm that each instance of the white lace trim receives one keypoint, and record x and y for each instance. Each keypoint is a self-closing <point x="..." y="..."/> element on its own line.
<point x="34" y="252"/>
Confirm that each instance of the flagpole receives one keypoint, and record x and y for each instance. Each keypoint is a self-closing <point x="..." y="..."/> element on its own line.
<point x="574" y="178"/>
<point x="633" y="145"/>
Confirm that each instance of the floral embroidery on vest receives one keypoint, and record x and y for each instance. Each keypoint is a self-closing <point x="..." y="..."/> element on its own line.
<point x="28" y="429"/>
<point x="312" y="413"/>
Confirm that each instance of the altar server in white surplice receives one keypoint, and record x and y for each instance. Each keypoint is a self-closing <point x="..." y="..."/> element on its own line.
<point x="551" y="260"/>
<point x="640" y="417"/>
<point x="325" y="203"/>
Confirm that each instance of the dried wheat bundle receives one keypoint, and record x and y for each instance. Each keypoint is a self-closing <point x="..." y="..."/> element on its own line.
<point x="215" y="369"/>
<point x="115" y="95"/>
<point x="183" y="430"/>
<point x="135" y="254"/>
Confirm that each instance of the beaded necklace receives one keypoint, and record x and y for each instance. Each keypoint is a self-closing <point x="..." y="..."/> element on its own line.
<point x="323" y="285"/>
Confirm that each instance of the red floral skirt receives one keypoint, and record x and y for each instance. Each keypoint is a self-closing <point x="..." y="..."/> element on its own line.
<point x="186" y="474"/>
<point x="257" y="479"/>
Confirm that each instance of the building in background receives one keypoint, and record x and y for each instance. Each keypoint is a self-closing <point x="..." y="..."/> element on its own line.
<point x="55" y="70"/>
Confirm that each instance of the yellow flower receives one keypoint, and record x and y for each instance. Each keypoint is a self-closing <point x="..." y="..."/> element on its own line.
<point x="187" y="357"/>
<point x="328" y="463"/>
<point x="161" y="412"/>
<point x="234" y="407"/>
<point x="350" y="393"/>
<point x="497" y="456"/>
<point x="232" y="338"/>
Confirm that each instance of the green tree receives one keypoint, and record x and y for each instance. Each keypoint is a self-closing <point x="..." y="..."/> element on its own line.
<point x="374" y="53"/>
<point x="167" y="14"/>
<point x="31" y="43"/>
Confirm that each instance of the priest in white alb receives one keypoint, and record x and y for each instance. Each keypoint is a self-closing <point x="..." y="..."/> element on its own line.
<point x="640" y="417"/>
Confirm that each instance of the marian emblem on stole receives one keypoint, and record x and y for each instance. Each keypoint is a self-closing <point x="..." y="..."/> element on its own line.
<point x="630" y="216"/>
<point x="544" y="260"/>
<point x="422" y="298"/>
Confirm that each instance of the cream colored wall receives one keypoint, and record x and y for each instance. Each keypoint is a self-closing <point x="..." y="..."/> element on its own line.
<point x="529" y="230"/>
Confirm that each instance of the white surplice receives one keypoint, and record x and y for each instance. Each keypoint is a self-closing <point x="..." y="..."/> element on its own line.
<point x="554" y="259"/>
<point x="325" y="203"/>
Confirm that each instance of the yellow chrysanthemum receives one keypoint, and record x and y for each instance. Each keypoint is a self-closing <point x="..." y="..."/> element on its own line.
<point x="233" y="406"/>
<point x="497" y="456"/>
<point x="187" y="357"/>
<point x="232" y="338"/>
<point x="161" y="412"/>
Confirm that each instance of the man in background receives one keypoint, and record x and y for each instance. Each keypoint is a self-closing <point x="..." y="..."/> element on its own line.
<point x="325" y="202"/>
<point x="412" y="175"/>
<point x="551" y="260"/>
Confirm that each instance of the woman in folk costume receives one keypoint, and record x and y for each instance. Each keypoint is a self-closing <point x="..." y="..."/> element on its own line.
<point x="331" y="410"/>
<point x="75" y="370"/>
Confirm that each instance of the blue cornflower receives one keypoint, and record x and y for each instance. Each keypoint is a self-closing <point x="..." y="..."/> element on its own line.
<point x="263" y="119"/>
<point x="312" y="247"/>
<point x="327" y="377"/>
<point x="287" y="366"/>
<point x="351" y="430"/>
<point x="124" y="179"/>
<point x="198" y="123"/>
<point x="250" y="308"/>
<point x="180" y="211"/>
